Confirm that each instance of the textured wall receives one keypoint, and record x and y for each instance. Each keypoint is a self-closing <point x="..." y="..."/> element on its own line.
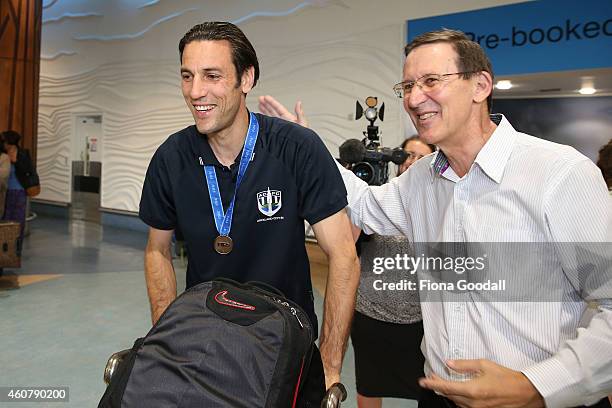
<point x="119" y="59"/>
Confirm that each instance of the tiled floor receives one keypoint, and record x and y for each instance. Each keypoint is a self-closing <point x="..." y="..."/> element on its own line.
<point x="59" y="330"/>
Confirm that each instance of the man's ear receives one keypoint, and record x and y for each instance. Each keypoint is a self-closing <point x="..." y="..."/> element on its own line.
<point x="483" y="86"/>
<point x="247" y="80"/>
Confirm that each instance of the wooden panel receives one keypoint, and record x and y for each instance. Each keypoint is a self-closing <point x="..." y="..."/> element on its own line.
<point x="20" y="30"/>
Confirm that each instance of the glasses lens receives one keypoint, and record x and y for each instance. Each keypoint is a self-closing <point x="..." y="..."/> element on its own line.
<point x="407" y="86"/>
<point x="430" y="82"/>
<point x="398" y="90"/>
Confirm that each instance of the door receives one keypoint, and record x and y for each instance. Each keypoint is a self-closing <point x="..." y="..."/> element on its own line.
<point x="86" y="168"/>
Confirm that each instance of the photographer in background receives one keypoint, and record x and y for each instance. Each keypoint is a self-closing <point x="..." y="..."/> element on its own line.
<point x="387" y="326"/>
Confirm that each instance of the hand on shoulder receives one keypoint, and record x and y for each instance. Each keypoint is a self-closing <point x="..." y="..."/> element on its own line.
<point x="268" y="105"/>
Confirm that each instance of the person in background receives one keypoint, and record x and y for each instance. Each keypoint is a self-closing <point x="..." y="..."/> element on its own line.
<point x="416" y="149"/>
<point x="387" y="326"/>
<point x="604" y="162"/>
<point x="5" y="171"/>
<point x="21" y="167"/>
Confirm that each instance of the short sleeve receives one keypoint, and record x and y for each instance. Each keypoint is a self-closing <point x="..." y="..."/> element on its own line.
<point x="157" y="207"/>
<point x="321" y="190"/>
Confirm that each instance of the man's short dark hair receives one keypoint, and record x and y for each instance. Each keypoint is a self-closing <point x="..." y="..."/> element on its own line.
<point x="604" y="162"/>
<point x="471" y="56"/>
<point x="10" y="137"/>
<point x="243" y="53"/>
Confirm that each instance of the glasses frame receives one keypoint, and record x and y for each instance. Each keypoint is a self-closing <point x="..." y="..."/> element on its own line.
<point x="398" y="88"/>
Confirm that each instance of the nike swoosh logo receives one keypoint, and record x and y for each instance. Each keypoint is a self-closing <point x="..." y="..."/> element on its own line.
<point x="222" y="299"/>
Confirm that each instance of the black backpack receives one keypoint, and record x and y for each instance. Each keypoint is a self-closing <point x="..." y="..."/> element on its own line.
<point x="223" y="344"/>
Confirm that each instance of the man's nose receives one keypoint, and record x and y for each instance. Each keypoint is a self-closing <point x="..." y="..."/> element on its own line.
<point x="415" y="97"/>
<point x="199" y="88"/>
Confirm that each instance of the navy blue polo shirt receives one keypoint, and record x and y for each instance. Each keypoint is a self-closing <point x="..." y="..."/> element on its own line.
<point x="291" y="178"/>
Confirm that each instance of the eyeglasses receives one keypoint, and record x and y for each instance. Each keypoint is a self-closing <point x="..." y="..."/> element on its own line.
<point x="426" y="83"/>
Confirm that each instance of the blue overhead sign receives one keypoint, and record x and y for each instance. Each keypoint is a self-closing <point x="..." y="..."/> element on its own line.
<point x="535" y="36"/>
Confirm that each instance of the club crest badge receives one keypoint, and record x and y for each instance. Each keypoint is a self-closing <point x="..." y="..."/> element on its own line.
<point x="269" y="202"/>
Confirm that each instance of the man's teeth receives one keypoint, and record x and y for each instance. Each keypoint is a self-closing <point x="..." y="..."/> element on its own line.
<point x="427" y="115"/>
<point x="202" y="108"/>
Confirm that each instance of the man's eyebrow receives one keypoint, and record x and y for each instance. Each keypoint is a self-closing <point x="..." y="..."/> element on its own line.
<point x="205" y="70"/>
<point x="211" y="69"/>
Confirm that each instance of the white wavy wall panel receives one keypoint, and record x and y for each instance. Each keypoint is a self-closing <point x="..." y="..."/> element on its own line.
<point x="137" y="117"/>
<point x="329" y="76"/>
<point x="119" y="59"/>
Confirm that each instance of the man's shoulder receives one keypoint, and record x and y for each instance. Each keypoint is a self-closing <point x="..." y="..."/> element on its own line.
<point x="546" y="150"/>
<point x="177" y="141"/>
<point x="278" y="131"/>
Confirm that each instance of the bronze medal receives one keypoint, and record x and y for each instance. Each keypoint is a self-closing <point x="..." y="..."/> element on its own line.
<point x="223" y="244"/>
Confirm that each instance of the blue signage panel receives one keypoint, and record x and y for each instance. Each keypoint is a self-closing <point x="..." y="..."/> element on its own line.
<point x="535" y="36"/>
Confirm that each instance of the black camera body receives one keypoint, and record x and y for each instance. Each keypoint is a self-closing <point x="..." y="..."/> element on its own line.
<point x="366" y="158"/>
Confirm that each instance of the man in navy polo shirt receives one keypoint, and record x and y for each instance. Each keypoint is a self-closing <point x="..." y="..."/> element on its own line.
<point x="239" y="186"/>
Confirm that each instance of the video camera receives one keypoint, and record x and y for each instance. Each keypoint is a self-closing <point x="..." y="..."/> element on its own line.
<point x="366" y="158"/>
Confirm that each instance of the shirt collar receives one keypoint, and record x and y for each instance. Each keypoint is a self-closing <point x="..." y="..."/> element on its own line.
<point x="205" y="152"/>
<point x="493" y="156"/>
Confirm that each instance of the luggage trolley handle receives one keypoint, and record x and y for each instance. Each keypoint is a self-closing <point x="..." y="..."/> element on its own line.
<point x="334" y="396"/>
<point x="113" y="362"/>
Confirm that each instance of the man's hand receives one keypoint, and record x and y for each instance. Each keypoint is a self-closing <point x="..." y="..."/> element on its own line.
<point x="492" y="386"/>
<point x="335" y="239"/>
<point x="268" y="105"/>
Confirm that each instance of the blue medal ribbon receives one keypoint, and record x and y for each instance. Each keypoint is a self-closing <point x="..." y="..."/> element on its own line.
<point x="223" y="222"/>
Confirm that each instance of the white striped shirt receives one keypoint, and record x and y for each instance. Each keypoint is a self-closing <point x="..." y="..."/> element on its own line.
<point x="519" y="189"/>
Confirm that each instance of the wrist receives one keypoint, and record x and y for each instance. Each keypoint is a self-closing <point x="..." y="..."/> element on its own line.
<point x="533" y="398"/>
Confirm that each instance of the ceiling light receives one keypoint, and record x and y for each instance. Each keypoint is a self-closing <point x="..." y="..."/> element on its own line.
<point x="504" y="84"/>
<point x="587" y="90"/>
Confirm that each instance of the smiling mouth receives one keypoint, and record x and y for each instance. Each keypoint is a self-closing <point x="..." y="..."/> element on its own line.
<point x="203" y="108"/>
<point x="427" y="115"/>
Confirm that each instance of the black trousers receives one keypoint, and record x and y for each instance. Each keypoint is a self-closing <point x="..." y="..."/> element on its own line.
<point x="430" y="399"/>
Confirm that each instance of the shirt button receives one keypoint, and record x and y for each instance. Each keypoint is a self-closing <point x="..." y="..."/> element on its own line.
<point x="456" y="352"/>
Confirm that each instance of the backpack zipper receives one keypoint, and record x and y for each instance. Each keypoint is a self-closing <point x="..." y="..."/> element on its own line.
<point x="291" y="308"/>
<point x="294" y="312"/>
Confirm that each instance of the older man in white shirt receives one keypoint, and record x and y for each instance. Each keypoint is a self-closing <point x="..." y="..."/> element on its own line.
<point x="489" y="183"/>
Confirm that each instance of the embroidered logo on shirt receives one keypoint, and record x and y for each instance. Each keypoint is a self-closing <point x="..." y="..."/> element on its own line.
<point x="269" y="202"/>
